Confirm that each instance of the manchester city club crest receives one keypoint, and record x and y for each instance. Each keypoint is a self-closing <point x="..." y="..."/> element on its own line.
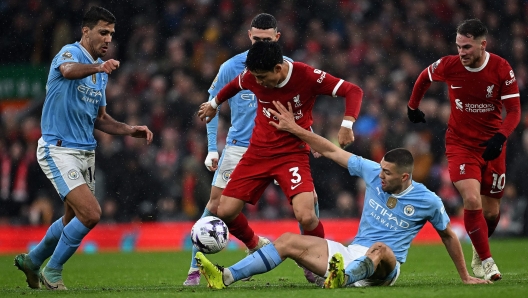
<point x="226" y="175"/>
<point x="408" y="210"/>
<point x="73" y="175"/>
<point x="391" y="202"/>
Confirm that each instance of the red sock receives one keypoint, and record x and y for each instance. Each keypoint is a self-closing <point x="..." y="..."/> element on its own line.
<point x="477" y="230"/>
<point x="317" y="232"/>
<point x="492" y="224"/>
<point x="239" y="227"/>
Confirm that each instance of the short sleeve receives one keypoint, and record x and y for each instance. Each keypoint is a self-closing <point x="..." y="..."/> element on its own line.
<point x="67" y="54"/>
<point x="364" y="168"/>
<point x="439" y="218"/>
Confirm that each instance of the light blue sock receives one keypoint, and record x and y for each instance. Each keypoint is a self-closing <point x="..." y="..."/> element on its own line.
<point x="263" y="260"/>
<point x="47" y="245"/>
<point x="316" y="207"/>
<point x="359" y="269"/>
<point x="71" y="238"/>
<point x="194" y="249"/>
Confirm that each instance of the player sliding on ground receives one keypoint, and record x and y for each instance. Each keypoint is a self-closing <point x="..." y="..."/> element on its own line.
<point x="396" y="208"/>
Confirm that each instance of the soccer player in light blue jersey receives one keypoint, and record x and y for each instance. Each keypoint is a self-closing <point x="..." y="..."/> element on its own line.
<point x="395" y="209"/>
<point x="75" y="104"/>
<point x="243" y="109"/>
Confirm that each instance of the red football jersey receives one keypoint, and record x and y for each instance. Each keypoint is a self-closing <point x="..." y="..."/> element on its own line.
<point x="301" y="86"/>
<point x="476" y="95"/>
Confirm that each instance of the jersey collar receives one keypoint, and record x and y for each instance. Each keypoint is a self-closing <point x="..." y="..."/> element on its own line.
<point x="85" y="52"/>
<point x="287" y="79"/>
<point x="482" y="66"/>
<point x="406" y="191"/>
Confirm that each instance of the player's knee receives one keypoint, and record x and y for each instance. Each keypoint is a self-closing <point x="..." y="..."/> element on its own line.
<point x="490" y="215"/>
<point x="307" y="218"/>
<point x="284" y="243"/>
<point x="472" y="201"/>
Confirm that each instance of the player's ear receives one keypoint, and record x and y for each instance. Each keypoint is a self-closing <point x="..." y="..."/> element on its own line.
<point x="277" y="36"/>
<point x="483" y="44"/>
<point x="277" y="68"/>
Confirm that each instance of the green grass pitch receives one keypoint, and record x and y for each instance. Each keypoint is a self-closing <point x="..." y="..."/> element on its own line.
<point x="428" y="272"/>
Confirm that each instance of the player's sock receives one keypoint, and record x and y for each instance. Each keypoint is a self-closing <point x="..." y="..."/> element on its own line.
<point x="359" y="269"/>
<point x="492" y="224"/>
<point x="194" y="249"/>
<point x="477" y="230"/>
<point x="47" y="245"/>
<point x="263" y="260"/>
<point x="71" y="238"/>
<point x="316" y="207"/>
<point x="239" y="227"/>
<point x="317" y="232"/>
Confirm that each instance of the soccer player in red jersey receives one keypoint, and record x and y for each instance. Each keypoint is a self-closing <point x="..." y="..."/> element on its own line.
<point x="274" y="154"/>
<point x="480" y="84"/>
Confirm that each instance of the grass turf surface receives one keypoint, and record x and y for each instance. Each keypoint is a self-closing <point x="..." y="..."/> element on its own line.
<point x="428" y="272"/>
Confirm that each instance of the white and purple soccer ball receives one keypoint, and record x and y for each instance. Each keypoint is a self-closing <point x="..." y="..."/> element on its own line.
<point x="210" y="234"/>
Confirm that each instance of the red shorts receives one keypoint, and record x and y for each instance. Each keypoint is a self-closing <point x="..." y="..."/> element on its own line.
<point x="467" y="163"/>
<point x="253" y="174"/>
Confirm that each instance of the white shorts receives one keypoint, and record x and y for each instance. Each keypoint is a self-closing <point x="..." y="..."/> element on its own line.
<point x="66" y="168"/>
<point x="353" y="252"/>
<point x="231" y="155"/>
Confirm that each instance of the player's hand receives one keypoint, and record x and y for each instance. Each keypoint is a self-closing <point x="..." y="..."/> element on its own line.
<point x="475" y="281"/>
<point x="345" y="136"/>
<point x="493" y="146"/>
<point x="285" y="116"/>
<point x="142" y="132"/>
<point x="108" y="66"/>
<point x="416" y="116"/>
<point x="211" y="161"/>
<point x="206" y="112"/>
<point x="315" y="153"/>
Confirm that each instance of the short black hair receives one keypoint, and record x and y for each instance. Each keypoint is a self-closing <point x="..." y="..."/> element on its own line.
<point x="264" y="21"/>
<point x="263" y="56"/>
<point x="402" y="158"/>
<point x="472" y="28"/>
<point x="96" y="14"/>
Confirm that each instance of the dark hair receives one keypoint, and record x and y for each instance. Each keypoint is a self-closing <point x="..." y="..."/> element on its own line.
<point x="472" y="28"/>
<point x="96" y="14"/>
<point x="264" y="21"/>
<point x="402" y="158"/>
<point x="263" y="56"/>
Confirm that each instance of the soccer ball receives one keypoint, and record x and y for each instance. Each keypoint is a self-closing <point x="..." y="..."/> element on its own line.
<point x="209" y="235"/>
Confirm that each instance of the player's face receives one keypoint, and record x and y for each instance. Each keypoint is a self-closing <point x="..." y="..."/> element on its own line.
<point x="391" y="179"/>
<point x="256" y="34"/>
<point x="268" y="79"/>
<point x="98" y="39"/>
<point x="470" y="50"/>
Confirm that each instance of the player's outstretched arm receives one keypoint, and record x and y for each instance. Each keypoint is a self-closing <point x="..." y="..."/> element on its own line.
<point x="75" y="71"/>
<point x="109" y="125"/>
<point x="452" y="244"/>
<point x="318" y="143"/>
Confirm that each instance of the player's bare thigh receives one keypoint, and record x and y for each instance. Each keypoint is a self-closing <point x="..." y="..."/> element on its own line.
<point x="469" y="189"/>
<point x="84" y="205"/>
<point x="303" y="208"/>
<point x="229" y="208"/>
<point x="214" y="199"/>
<point x="308" y="251"/>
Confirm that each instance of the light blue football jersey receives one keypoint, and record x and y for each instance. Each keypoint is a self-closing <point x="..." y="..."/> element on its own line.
<point x="396" y="225"/>
<point x="71" y="106"/>
<point x="243" y="106"/>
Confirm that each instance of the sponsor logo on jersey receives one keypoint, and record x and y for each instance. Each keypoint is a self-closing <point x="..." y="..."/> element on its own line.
<point x="408" y="210"/>
<point x="509" y="82"/>
<point x="297" y="101"/>
<point x="323" y="75"/>
<point x="463" y="169"/>
<point x="479" y="107"/>
<point x="490" y="91"/>
<point x="90" y="94"/>
<point x="67" y="56"/>
<point x="511" y="74"/>
<point x="73" y="174"/>
<point x="435" y="65"/>
<point x="245" y="96"/>
<point x="387" y="218"/>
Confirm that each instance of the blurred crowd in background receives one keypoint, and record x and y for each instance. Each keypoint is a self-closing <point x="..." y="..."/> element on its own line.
<point x="170" y="52"/>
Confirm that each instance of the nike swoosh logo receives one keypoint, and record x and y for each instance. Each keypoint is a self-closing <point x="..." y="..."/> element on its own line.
<point x="455" y="87"/>
<point x="471" y="232"/>
<point x="264" y="101"/>
<point x="495" y="191"/>
<point x="295" y="186"/>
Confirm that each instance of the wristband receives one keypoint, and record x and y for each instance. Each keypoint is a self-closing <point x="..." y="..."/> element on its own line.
<point x="214" y="105"/>
<point x="347" y="123"/>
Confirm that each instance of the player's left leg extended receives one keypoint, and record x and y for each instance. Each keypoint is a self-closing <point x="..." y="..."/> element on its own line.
<point x="88" y="213"/>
